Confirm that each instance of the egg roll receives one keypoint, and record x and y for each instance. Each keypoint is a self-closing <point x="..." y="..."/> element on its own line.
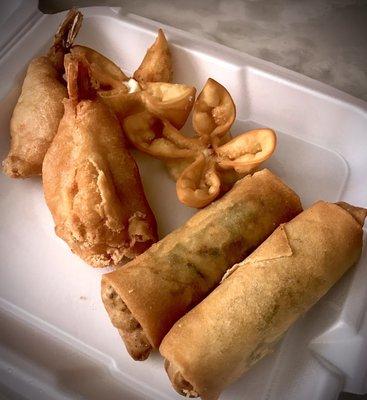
<point x="260" y="298"/>
<point x="39" y="108"/>
<point x="91" y="182"/>
<point x="146" y="297"/>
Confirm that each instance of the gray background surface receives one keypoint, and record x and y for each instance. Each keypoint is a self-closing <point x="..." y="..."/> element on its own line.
<point x="323" y="39"/>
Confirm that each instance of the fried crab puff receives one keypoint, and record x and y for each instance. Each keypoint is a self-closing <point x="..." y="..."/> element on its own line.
<point x="149" y="89"/>
<point x="202" y="164"/>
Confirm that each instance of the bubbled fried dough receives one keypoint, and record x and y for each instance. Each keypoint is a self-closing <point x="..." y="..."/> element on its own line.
<point x="39" y="109"/>
<point x="93" y="189"/>
<point x="35" y="119"/>
<point x="157" y="64"/>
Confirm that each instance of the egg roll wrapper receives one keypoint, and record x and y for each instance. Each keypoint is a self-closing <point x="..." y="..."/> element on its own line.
<point x="259" y="299"/>
<point x="165" y="282"/>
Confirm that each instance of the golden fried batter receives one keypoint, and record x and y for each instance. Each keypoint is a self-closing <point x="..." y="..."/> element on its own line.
<point x="157" y="64"/>
<point x="91" y="182"/>
<point x="39" y="108"/>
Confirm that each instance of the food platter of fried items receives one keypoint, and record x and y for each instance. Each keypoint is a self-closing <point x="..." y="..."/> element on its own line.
<point x="238" y="273"/>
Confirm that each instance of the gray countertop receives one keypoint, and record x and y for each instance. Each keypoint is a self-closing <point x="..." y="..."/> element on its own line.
<point x="323" y="39"/>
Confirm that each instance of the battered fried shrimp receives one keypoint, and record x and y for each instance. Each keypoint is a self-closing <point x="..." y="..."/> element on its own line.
<point x="39" y="109"/>
<point x="91" y="182"/>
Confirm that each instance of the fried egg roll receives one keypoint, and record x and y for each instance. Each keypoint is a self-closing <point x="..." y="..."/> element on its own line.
<point x="146" y="297"/>
<point x="39" y="108"/>
<point x="259" y="299"/>
<point x="91" y="182"/>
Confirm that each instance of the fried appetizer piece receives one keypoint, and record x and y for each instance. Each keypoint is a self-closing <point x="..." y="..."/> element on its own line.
<point x="148" y="295"/>
<point x="199" y="184"/>
<point x="91" y="182"/>
<point x="39" y="109"/>
<point x="123" y="102"/>
<point x="204" y="166"/>
<point x="247" y="151"/>
<point x="126" y="97"/>
<point x="260" y="298"/>
<point x="158" y="138"/>
<point x="111" y="84"/>
<point x="214" y="112"/>
<point x="106" y="74"/>
<point x="169" y="101"/>
<point x="216" y="169"/>
<point x="157" y="64"/>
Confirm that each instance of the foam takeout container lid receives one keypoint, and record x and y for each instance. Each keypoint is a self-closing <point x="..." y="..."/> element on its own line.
<point x="16" y="17"/>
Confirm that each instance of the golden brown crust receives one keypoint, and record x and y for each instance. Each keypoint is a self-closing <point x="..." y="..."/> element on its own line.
<point x="35" y="119"/>
<point x="214" y="112"/>
<point x="247" y="151"/>
<point x="179" y="383"/>
<point x="169" y="101"/>
<point x="358" y="213"/>
<point x="157" y="64"/>
<point x="157" y="137"/>
<point x="93" y="189"/>
<point x="105" y="73"/>
<point x="39" y="109"/>
<point x="242" y="319"/>
<point x="199" y="183"/>
<point x="176" y="273"/>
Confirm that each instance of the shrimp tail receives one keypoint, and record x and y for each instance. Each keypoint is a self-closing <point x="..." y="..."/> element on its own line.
<point x="64" y="38"/>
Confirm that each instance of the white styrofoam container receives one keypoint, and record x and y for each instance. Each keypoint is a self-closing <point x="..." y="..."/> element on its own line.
<point x="56" y="340"/>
